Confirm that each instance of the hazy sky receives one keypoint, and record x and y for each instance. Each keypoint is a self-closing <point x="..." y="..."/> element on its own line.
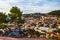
<point x="30" y="6"/>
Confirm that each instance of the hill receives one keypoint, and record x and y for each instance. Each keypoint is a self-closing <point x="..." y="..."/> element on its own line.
<point x="56" y="13"/>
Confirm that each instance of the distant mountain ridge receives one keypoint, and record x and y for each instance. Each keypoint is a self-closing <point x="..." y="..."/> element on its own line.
<point x="34" y="15"/>
<point x="53" y="13"/>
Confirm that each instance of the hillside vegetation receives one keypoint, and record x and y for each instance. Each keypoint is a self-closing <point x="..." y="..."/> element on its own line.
<point x="56" y="13"/>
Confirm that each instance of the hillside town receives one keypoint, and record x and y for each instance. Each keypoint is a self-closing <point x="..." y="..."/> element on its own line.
<point x="35" y="25"/>
<point x="29" y="19"/>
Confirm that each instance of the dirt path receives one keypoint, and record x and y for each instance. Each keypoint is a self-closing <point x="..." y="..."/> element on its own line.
<point x="9" y="38"/>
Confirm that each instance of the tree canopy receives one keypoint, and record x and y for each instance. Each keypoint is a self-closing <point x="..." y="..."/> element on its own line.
<point x="15" y="12"/>
<point x="2" y="17"/>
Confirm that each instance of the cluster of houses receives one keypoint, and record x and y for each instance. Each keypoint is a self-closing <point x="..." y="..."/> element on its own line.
<point x="42" y="20"/>
<point x="40" y="24"/>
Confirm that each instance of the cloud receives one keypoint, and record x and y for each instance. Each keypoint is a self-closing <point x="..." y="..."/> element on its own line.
<point x="28" y="6"/>
<point x="11" y="1"/>
<point x="4" y="6"/>
<point x="47" y="6"/>
<point x="43" y="6"/>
